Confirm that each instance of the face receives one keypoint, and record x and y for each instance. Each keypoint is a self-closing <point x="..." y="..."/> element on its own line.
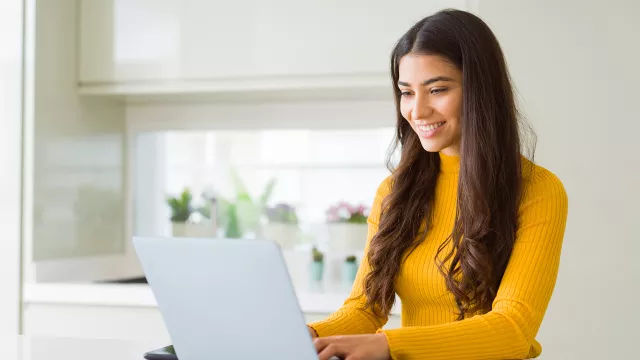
<point x="431" y="101"/>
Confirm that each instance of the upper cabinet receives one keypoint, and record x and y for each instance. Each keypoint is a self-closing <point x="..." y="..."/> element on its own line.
<point x="246" y="43"/>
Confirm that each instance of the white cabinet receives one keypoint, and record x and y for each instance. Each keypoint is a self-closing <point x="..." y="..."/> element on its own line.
<point x="124" y="41"/>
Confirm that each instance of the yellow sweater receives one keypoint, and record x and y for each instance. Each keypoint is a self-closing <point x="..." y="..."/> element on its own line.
<point x="429" y="327"/>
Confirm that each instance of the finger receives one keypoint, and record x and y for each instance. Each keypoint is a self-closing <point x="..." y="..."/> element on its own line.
<point x="332" y="350"/>
<point x="321" y="343"/>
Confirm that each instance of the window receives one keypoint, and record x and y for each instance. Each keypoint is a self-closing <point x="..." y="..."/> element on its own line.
<point x="312" y="169"/>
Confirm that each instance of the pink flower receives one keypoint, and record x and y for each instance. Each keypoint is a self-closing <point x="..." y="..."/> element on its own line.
<point x="343" y="211"/>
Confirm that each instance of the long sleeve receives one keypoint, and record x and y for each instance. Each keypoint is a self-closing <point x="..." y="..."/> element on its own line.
<point x="508" y="331"/>
<point x="353" y="317"/>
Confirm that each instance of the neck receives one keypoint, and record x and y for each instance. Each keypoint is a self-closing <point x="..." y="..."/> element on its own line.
<point x="449" y="163"/>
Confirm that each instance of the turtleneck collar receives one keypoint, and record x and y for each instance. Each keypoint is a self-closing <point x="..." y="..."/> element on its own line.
<point x="449" y="164"/>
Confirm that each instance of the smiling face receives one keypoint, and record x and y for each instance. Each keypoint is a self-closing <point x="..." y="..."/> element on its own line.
<point x="431" y="101"/>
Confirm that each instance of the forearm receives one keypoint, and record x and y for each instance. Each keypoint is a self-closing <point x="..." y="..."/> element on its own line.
<point x="351" y="319"/>
<point x="491" y="336"/>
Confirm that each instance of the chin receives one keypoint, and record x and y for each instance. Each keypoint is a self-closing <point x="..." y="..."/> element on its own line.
<point x="431" y="147"/>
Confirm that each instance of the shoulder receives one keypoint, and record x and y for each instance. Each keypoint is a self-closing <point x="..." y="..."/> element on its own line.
<point x="541" y="186"/>
<point x="536" y="178"/>
<point x="384" y="188"/>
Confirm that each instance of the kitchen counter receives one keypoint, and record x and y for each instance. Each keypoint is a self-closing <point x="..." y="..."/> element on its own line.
<point x="52" y="348"/>
<point x="57" y="348"/>
<point x="140" y="295"/>
<point x="129" y="311"/>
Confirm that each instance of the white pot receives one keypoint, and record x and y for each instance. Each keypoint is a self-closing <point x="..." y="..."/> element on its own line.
<point x="286" y="235"/>
<point x="347" y="237"/>
<point x="201" y="230"/>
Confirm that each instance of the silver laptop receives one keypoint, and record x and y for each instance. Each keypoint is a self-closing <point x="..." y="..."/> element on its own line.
<point x="225" y="298"/>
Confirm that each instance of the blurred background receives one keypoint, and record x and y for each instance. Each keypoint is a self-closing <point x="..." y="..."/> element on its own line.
<point x="272" y="119"/>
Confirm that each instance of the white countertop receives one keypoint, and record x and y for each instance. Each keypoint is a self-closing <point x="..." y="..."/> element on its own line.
<point x="44" y="348"/>
<point x="51" y="348"/>
<point x="140" y="295"/>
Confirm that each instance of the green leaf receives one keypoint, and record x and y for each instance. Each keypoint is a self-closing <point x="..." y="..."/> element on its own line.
<point x="238" y="184"/>
<point x="233" y="229"/>
<point x="266" y="194"/>
<point x="181" y="207"/>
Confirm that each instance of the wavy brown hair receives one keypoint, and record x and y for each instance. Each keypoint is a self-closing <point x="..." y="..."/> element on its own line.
<point x="490" y="175"/>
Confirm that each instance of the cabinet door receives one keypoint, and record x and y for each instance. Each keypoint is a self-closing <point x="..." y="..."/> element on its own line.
<point x="132" y="40"/>
<point x="74" y="161"/>
<point x="299" y="38"/>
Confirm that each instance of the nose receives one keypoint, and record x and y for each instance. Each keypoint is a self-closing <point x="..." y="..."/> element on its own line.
<point x="421" y="109"/>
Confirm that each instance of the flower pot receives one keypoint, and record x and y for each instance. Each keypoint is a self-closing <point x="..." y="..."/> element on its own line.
<point x="349" y="272"/>
<point x="316" y="271"/>
<point x="347" y="237"/>
<point x="286" y="235"/>
<point x="200" y="230"/>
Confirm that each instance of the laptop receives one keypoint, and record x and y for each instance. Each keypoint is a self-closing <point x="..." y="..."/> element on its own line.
<point x="225" y="298"/>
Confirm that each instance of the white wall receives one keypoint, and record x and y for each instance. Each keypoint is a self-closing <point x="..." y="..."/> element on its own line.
<point x="576" y="65"/>
<point x="10" y="162"/>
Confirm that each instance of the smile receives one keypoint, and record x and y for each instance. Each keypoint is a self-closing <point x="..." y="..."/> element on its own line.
<point x="427" y="128"/>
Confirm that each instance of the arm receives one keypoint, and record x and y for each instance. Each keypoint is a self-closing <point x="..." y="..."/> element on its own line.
<point x="353" y="317"/>
<point x="508" y="331"/>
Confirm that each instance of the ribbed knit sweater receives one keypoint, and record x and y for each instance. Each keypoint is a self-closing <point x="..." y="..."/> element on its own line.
<point x="429" y="327"/>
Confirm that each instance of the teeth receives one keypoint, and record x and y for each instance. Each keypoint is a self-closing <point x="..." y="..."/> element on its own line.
<point x="430" y="127"/>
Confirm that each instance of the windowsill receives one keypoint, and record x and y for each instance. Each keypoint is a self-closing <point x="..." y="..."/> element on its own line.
<point x="140" y="295"/>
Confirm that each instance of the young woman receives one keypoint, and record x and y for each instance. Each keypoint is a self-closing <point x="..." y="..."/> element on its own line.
<point x="466" y="231"/>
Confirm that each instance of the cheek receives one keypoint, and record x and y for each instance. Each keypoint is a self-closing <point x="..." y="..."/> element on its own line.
<point x="446" y="106"/>
<point x="450" y="108"/>
<point x="455" y="107"/>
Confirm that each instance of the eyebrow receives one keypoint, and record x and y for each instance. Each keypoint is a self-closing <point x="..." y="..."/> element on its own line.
<point x="428" y="82"/>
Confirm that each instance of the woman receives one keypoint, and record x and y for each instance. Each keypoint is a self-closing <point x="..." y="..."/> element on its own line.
<point x="466" y="231"/>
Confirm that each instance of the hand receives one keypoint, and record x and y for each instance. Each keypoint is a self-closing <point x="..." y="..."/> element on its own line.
<point x="353" y="347"/>
<point x="312" y="332"/>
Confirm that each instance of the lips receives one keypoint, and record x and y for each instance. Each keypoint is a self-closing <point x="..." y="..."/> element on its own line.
<point x="428" y="131"/>
<point x="430" y="127"/>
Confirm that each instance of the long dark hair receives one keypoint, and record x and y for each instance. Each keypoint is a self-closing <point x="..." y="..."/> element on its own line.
<point x="490" y="176"/>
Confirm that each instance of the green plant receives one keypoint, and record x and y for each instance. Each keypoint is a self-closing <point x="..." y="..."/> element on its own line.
<point x="233" y="229"/>
<point x="181" y="208"/>
<point x="350" y="259"/>
<point x="247" y="211"/>
<point x="317" y="255"/>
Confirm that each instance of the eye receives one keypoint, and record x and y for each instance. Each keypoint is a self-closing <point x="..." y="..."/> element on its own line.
<point x="405" y="93"/>
<point x="436" y="91"/>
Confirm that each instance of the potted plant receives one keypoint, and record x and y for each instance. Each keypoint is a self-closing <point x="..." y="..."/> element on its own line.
<point x="240" y="216"/>
<point x="317" y="265"/>
<point x="233" y="227"/>
<point x="282" y="226"/>
<point x="349" y="269"/>
<point x="347" y="227"/>
<point x="185" y="220"/>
